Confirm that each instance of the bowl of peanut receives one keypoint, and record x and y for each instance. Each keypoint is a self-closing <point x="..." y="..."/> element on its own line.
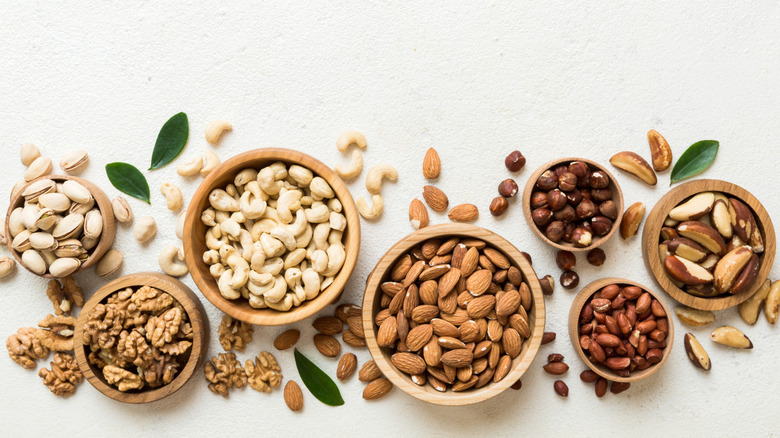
<point x="271" y="236"/>
<point x="453" y="314"/>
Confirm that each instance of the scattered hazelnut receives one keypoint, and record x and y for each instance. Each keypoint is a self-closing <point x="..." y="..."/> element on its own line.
<point x="570" y="279"/>
<point x="538" y="200"/>
<point x="601" y="225"/>
<point x="598" y="180"/>
<point x="556" y="199"/>
<point x="514" y="161"/>
<point x="498" y="206"/>
<point x="596" y="257"/>
<point x="554" y="231"/>
<point x="567" y="181"/>
<point x="527" y="257"/>
<point x="586" y="209"/>
<point x="565" y="260"/>
<point x="541" y="216"/>
<point x="608" y="209"/>
<point x="547" y="180"/>
<point x="581" y="237"/>
<point x="548" y="284"/>
<point x="508" y="188"/>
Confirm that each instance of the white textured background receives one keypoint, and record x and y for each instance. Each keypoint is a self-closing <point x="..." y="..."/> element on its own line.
<point x="474" y="81"/>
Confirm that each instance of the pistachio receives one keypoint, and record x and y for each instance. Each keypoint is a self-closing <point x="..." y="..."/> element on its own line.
<point x="3" y="239"/>
<point x="70" y="248"/>
<point x="76" y="192"/>
<point x="39" y="167"/>
<point x="17" y="189"/>
<point x="122" y="211"/>
<point x="29" y="216"/>
<point x="21" y="241"/>
<point x="64" y="266"/>
<point x="56" y="201"/>
<point x="42" y="241"/>
<point x="93" y="224"/>
<point x="110" y="262"/>
<point x="145" y="229"/>
<point x="34" y="261"/>
<point x="38" y="188"/>
<point x="28" y="153"/>
<point x="89" y="242"/>
<point x="15" y="223"/>
<point x="731" y="337"/>
<point x="74" y="161"/>
<point x="7" y="266"/>
<point x="68" y="227"/>
<point x="82" y="208"/>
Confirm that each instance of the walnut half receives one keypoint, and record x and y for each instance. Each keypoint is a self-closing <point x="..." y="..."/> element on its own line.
<point x="25" y="348"/>
<point x="264" y="373"/>
<point x="234" y="334"/>
<point x="63" y="376"/>
<point x="224" y="372"/>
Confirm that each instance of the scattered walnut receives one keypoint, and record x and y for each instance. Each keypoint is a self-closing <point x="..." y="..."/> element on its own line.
<point x="63" y="376"/>
<point x="59" y="337"/>
<point x="73" y="291"/>
<point x="64" y="296"/>
<point x="264" y="373"/>
<point x="24" y="348"/>
<point x="121" y="378"/>
<point x="234" y="334"/>
<point x="224" y="372"/>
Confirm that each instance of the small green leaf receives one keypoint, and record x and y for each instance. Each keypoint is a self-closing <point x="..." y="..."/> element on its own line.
<point x="170" y="140"/>
<point x="128" y="179"/>
<point x="319" y="384"/>
<point x="695" y="160"/>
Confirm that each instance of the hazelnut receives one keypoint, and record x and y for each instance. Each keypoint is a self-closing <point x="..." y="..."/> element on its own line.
<point x="566" y="214"/>
<point x="547" y="180"/>
<point x="527" y="257"/>
<point x="548" y="284"/>
<point x="538" y="200"/>
<point x="581" y="237"/>
<point x="601" y="225"/>
<point x="584" y="182"/>
<point x="568" y="231"/>
<point x="586" y="209"/>
<point x="570" y="279"/>
<point x="565" y="260"/>
<point x="556" y="199"/>
<point x="586" y="226"/>
<point x="498" y="206"/>
<point x="560" y="169"/>
<point x="542" y="216"/>
<point x="596" y="257"/>
<point x="574" y="197"/>
<point x="507" y="188"/>
<point x="598" y="180"/>
<point x="608" y="209"/>
<point x="554" y="231"/>
<point x="567" y="182"/>
<point x="514" y="161"/>
<point x="601" y="195"/>
<point x="579" y="169"/>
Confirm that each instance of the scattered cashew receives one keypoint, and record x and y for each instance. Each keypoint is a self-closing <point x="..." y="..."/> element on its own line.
<point x="351" y="170"/>
<point x="173" y="196"/>
<point x="210" y="162"/>
<point x="349" y="138"/>
<point x="190" y="168"/>
<point x="377" y="174"/>
<point x="215" y="130"/>
<point x="180" y="224"/>
<point x="374" y="210"/>
<point x="171" y="263"/>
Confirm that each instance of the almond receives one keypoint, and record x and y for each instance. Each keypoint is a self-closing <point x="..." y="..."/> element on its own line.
<point x="502" y="368"/>
<point x="479" y="282"/>
<point x="388" y="332"/>
<point x="431" y="164"/>
<point x="432" y="352"/>
<point x="418" y="337"/>
<point x="512" y="342"/>
<point x="424" y="313"/>
<point x="350" y="339"/>
<point x="457" y="358"/>
<point x="355" y="324"/>
<point x="434" y="272"/>
<point x="428" y="292"/>
<point x="328" y="325"/>
<point x="660" y="151"/>
<point x="481" y="306"/>
<point x="497" y="258"/>
<point x="347" y="366"/>
<point x="464" y="213"/>
<point x="418" y="214"/>
<point x="435" y="198"/>
<point x="369" y="371"/>
<point x="508" y="303"/>
<point x="377" y="389"/>
<point x="462" y="386"/>
<point x="469" y="332"/>
<point x="448" y="281"/>
<point x="469" y="262"/>
<point x="327" y="345"/>
<point x="635" y="165"/>
<point x="401" y="268"/>
<point x="344" y="311"/>
<point x="408" y="363"/>
<point x="287" y="339"/>
<point x="293" y="396"/>
<point x="444" y="328"/>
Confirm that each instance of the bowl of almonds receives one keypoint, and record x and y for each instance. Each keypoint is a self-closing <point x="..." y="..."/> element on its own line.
<point x="453" y="314"/>
<point x="710" y="244"/>
<point x="620" y="329"/>
<point x="58" y="225"/>
<point x="271" y="236"/>
<point x="141" y="337"/>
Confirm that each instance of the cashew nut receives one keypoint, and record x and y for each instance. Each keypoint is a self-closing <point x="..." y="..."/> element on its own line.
<point x="286" y="203"/>
<point x="172" y="195"/>
<point x="190" y="168"/>
<point x="268" y="181"/>
<point x="320" y="237"/>
<point x="299" y="226"/>
<point x="294" y="258"/>
<point x="351" y="170"/>
<point x="224" y="286"/>
<point x="215" y="129"/>
<point x="336" y="257"/>
<point x="320" y="189"/>
<point x="335" y="236"/>
<point x="349" y="138"/>
<point x="282" y="305"/>
<point x="377" y="174"/>
<point x="302" y="240"/>
<point x="374" y="210"/>
<point x="211" y="257"/>
<point x="171" y="263"/>
<point x="317" y="215"/>
<point x="221" y="200"/>
<point x="337" y="221"/>
<point x="311" y="283"/>
<point x="277" y="291"/>
<point x="319" y="261"/>
<point x="273" y="266"/>
<point x="284" y="236"/>
<point x="271" y="246"/>
<point x="335" y="205"/>
<point x="301" y="175"/>
<point x="230" y="227"/>
<point x="210" y="162"/>
<point x="208" y="217"/>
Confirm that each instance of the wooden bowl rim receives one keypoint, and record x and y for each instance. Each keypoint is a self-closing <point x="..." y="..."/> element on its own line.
<point x="655" y="221"/>
<point x="597" y="240"/>
<point x="270" y="317"/>
<point x="574" y="317"/>
<point x="520" y="364"/>
<point x="185" y="297"/>
<point x="106" y="211"/>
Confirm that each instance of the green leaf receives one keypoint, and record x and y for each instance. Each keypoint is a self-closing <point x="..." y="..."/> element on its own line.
<point x="170" y="140"/>
<point x="695" y="160"/>
<point x="128" y="179"/>
<point x="319" y="384"/>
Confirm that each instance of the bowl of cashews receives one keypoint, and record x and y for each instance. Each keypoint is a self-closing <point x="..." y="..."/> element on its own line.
<point x="271" y="236"/>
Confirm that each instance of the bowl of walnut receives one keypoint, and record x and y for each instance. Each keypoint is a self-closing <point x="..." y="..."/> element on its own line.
<point x="141" y="337"/>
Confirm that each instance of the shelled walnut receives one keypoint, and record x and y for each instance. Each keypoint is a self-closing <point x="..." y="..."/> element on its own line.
<point x="24" y="347"/>
<point x="64" y="296"/>
<point x="234" y="334"/>
<point x="59" y="336"/>
<point x="224" y="373"/>
<point x="63" y="376"/>
<point x="264" y="373"/>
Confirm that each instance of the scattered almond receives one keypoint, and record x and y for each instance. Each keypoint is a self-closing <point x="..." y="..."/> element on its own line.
<point x="327" y="345"/>
<point x="464" y="213"/>
<point x="431" y="164"/>
<point x="435" y="198"/>
<point x="287" y="339"/>
<point x="350" y="339"/>
<point x="418" y="214"/>
<point x="369" y="371"/>
<point x="377" y="389"/>
<point x="328" y="325"/>
<point x="347" y="366"/>
<point x="293" y="396"/>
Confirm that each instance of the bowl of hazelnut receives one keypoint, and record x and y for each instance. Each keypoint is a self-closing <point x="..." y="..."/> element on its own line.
<point x="573" y="204"/>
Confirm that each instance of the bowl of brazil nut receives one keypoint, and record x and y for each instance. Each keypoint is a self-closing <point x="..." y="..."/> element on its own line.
<point x="141" y="337"/>
<point x="573" y="204"/>
<point x="271" y="236"/>
<point x="453" y="314"/>
<point x="710" y="244"/>
<point x="58" y="225"/>
<point x="620" y="329"/>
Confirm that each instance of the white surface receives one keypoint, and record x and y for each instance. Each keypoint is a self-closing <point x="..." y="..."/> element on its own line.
<point x="550" y="79"/>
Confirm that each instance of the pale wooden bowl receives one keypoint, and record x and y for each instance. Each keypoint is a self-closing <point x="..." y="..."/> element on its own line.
<point x="200" y="341"/>
<point x="617" y="198"/>
<point x="381" y="356"/>
<point x="574" y="318"/>
<point x="101" y="201"/>
<point x="195" y="237"/>
<point x="652" y="232"/>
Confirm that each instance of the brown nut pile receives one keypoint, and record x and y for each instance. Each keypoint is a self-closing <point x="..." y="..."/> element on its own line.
<point x="454" y="313"/>
<point x="138" y="338"/>
<point x="711" y="245"/>
<point x="573" y="203"/>
<point x="623" y="328"/>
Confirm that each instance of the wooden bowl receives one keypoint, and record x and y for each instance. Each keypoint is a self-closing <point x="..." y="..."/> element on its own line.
<point x="195" y="236"/>
<point x="371" y="303"/>
<point x="200" y="330"/>
<point x="652" y="232"/>
<point x="617" y="198"/>
<point x="574" y="318"/>
<point x="103" y="204"/>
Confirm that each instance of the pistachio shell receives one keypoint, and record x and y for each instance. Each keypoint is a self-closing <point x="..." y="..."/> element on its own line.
<point x="48" y="256"/>
<point x="76" y="192"/>
<point x="93" y="224"/>
<point x="34" y="261"/>
<point x="74" y="161"/>
<point x="122" y="211"/>
<point x="15" y="223"/>
<point x="21" y="241"/>
<point x="82" y="208"/>
<point x="89" y="242"/>
<point x="56" y="201"/>
<point x="109" y="263"/>
<point x="42" y="241"/>
<point x="39" y="167"/>
<point x="17" y="189"/>
<point x="46" y="219"/>
<point x="64" y="267"/>
<point x="68" y="227"/>
<point x="29" y="216"/>
<point x="7" y="266"/>
<point x="28" y="153"/>
<point x="38" y="188"/>
<point x="70" y="248"/>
